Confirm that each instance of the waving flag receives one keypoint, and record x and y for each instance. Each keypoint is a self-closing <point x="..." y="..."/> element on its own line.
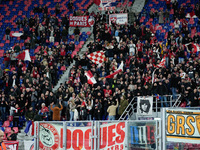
<point x="162" y="63"/>
<point x="97" y="57"/>
<point x="191" y="15"/>
<point x="120" y="69"/>
<point x="90" y="77"/>
<point x="24" y="56"/>
<point x="195" y="46"/>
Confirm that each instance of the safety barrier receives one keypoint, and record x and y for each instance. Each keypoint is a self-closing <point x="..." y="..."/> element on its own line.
<point x="98" y="135"/>
<point x="131" y="109"/>
<point x="179" y="128"/>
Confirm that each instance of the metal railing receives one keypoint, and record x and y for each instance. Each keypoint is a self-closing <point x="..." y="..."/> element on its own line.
<point x="132" y="107"/>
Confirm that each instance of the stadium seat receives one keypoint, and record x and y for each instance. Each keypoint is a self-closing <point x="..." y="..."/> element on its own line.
<point x="8" y="130"/>
<point x="6" y="124"/>
<point x="16" y="129"/>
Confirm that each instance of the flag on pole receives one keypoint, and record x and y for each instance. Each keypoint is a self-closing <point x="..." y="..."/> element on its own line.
<point x="97" y="57"/>
<point x="90" y="77"/>
<point x="120" y="69"/>
<point x="24" y="56"/>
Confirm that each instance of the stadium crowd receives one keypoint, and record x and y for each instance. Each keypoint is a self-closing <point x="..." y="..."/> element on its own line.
<point x="26" y="89"/>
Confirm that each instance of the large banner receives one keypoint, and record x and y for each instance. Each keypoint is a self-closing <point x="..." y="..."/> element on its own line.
<point x="118" y="18"/>
<point x="112" y="135"/>
<point x="12" y="145"/>
<point x="144" y="106"/>
<point x="183" y="125"/>
<point x="81" y="21"/>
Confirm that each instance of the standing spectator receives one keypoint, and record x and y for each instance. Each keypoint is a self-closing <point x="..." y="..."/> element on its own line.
<point x="175" y="80"/>
<point x="57" y="8"/>
<point x="72" y="107"/>
<point x="97" y="109"/>
<point x="56" y="111"/>
<point x="112" y="110"/>
<point x="3" y="104"/>
<point x="89" y="106"/>
<point x="44" y="111"/>
<point x="168" y="4"/>
<point x="123" y="105"/>
<point x="7" y="31"/>
<point x="162" y="92"/>
<point x="166" y="15"/>
<point x="30" y="114"/>
<point x="177" y="24"/>
<point x="161" y="17"/>
<point x="70" y="6"/>
<point x="76" y="34"/>
<point x="64" y="34"/>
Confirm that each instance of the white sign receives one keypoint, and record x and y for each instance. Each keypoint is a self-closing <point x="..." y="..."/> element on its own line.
<point x="144" y="105"/>
<point x="183" y="125"/>
<point x="17" y="34"/>
<point x="118" y="18"/>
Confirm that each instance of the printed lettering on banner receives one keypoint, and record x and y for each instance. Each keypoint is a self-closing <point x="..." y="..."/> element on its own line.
<point x="183" y="125"/>
<point x="112" y="136"/>
<point x="81" y="21"/>
<point x="11" y="145"/>
<point x="118" y="18"/>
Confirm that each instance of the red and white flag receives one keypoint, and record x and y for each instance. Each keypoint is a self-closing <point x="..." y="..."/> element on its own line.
<point x="195" y="46"/>
<point x="24" y="56"/>
<point x="90" y="77"/>
<point x="97" y="57"/>
<point x="162" y="63"/>
<point x="120" y="69"/>
<point x="191" y="15"/>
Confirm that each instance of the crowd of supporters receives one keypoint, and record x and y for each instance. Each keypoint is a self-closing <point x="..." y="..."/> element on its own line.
<point x="27" y="86"/>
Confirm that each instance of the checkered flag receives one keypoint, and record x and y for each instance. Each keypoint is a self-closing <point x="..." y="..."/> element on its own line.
<point x="97" y="57"/>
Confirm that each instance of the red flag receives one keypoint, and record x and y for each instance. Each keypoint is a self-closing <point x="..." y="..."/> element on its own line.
<point x="90" y="77"/>
<point x="24" y="55"/>
<point x="120" y="69"/>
